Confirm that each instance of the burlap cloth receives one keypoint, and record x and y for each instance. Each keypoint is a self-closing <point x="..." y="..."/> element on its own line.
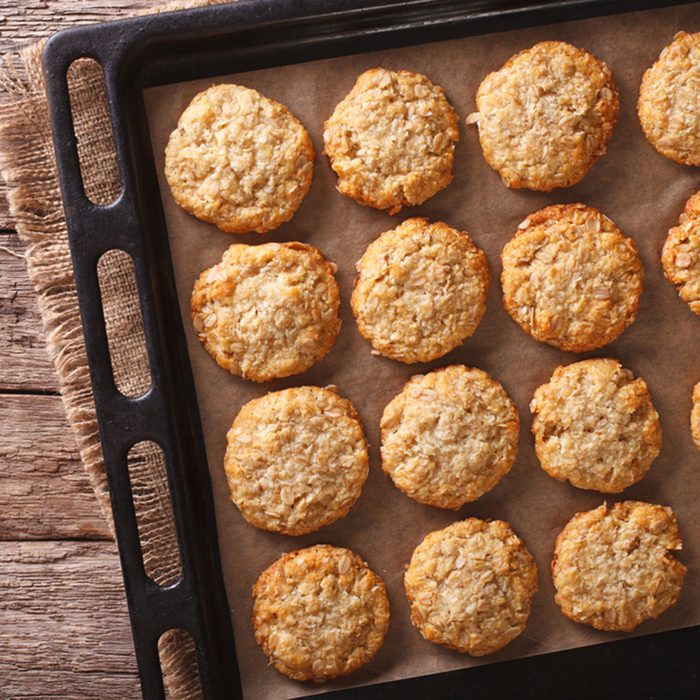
<point x="28" y="165"/>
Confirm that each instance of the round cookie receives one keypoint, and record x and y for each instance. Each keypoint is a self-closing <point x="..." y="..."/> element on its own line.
<point x="391" y="140"/>
<point x="695" y="416"/>
<point x="267" y="311"/>
<point x="595" y="426"/>
<point x="681" y="254"/>
<point x="239" y="160"/>
<point x="470" y="586"/>
<point x="296" y="459"/>
<point x="420" y="291"/>
<point x="570" y="278"/>
<point x="319" y="613"/>
<point x="669" y="101"/>
<point x="449" y="437"/>
<point x="614" y="567"/>
<point x="546" y="116"/>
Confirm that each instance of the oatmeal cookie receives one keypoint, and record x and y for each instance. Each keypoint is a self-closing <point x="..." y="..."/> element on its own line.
<point x="546" y="116"/>
<point x="614" y="567"/>
<point x="319" y="613"/>
<point x="391" y="140"/>
<point x="420" y="291"/>
<point x="449" y="437"/>
<point x="471" y="586"/>
<point x="267" y="311"/>
<point x="570" y="278"/>
<point x="296" y="459"/>
<point x="669" y="100"/>
<point x="595" y="426"/>
<point x="695" y="416"/>
<point x="681" y="254"/>
<point x="239" y="160"/>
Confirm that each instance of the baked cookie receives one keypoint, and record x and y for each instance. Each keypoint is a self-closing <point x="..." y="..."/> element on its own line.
<point x="614" y="567"/>
<point x="669" y="101"/>
<point x="681" y="254"/>
<point x="449" y="437"/>
<point x="239" y="160"/>
<point x="471" y="585"/>
<point x="391" y="140"/>
<point x="420" y="291"/>
<point x="546" y="116"/>
<point x="695" y="416"/>
<point x="296" y="459"/>
<point x="595" y="426"/>
<point x="267" y="311"/>
<point x="319" y="613"/>
<point x="570" y="278"/>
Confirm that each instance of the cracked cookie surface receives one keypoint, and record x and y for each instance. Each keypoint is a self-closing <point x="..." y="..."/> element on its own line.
<point x="319" y="613"/>
<point x="239" y="160"/>
<point x="267" y="311"/>
<point x="470" y="586"/>
<point x="571" y="278"/>
<point x="296" y="459"/>
<point x="391" y="140"/>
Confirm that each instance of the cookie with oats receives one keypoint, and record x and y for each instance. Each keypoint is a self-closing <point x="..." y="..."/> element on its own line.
<point x="267" y="311"/>
<point x="296" y="459"/>
<point x="319" y="613"/>
<point x="449" y="437"/>
<point x="595" y="426"/>
<point x="391" y="140"/>
<point x="239" y="160"/>
<point x="420" y="291"/>
<point x="546" y="116"/>
<point x="669" y="100"/>
<point x="695" y="416"/>
<point x="570" y="278"/>
<point x="681" y="254"/>
<point x="470" y="586"/>
<point x="614" y="567"/>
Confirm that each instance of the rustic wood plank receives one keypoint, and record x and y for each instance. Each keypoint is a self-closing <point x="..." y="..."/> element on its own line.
<point x="65" y="631"/>
<point x="26" y="21"/>
<point x="44" y="491"/>
<point x="24" y="364"/>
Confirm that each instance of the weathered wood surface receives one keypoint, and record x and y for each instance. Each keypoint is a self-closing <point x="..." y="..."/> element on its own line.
<point x="25" y="21"/>
<point x="44" y="491"/>
<point x="64" y="624"/>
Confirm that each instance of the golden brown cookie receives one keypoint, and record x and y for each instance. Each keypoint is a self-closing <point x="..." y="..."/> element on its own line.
<point x="546" y="116"/>
<point x="420" y="291"/>
<point x="319" y="613"/>
<point x="471" y="586"/>
<point x="239" y="160"/>
<point x="391" y="140"/>
<point x="695" y="416"/>
<point x="669" y="100"/>
<point x="296" y="459"/>
<point x="681" y="254"/>
<point x="614" y="567"/>
<point x="450" y="436"/>
<point x="267" y="311"/>
<point x="595" y="426"/>
<point x="570" y="278"/>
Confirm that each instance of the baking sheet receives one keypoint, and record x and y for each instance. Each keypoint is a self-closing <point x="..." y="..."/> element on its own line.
<point x="640" y="190"/>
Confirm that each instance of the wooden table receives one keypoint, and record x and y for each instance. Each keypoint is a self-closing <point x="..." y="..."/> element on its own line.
<point x="64" y="629"/>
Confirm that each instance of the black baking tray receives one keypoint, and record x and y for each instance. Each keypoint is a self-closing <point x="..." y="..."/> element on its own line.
<point x="198" y="43"/>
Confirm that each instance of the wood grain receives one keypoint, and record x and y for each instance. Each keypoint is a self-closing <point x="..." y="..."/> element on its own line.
<point x="25" y="21"/>
<point x="63" y="612"/>
<point x="44" y="491"/>
<point x="24" y="364"/>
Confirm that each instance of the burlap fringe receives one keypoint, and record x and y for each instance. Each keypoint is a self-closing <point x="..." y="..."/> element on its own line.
<point x="27" y="163"/>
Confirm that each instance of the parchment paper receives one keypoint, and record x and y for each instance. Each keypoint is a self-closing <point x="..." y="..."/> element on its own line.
<point x="640" y="190"/>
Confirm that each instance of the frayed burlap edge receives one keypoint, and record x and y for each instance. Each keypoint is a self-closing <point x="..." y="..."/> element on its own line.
<point x="27" y="163"/>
